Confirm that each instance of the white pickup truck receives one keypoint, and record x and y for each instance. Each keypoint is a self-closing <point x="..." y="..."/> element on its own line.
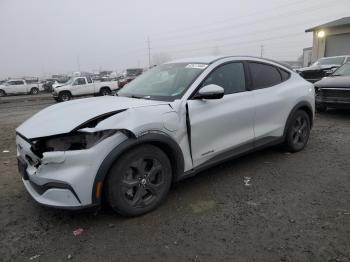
<point x="82" y="86"/>
<point x="18" y="86"/>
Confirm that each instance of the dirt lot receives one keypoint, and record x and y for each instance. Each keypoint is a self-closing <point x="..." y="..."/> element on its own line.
<point x="297" y="207"/>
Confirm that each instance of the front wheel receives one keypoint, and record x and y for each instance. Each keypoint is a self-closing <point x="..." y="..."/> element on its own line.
<point x="139" y="181"/>
<point x="298" y="131"/>
<point x="2" y="93"/>
<point x="64" y="96"/>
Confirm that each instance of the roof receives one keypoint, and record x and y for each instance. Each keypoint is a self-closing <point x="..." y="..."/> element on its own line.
<point x="204" y="59"/>
<point x="212" y="59"/>
<point x="340" y="22"/>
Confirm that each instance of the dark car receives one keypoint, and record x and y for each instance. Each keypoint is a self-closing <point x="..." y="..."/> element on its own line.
<point x="130" y="75"/>
<point x="322" y="67"/>
<point x="334" y="90"/>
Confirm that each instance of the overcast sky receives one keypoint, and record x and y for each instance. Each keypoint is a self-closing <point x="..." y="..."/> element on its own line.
<point x="42" y="37"/>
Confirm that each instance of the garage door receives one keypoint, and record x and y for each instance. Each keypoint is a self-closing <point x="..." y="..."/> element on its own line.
<point x="338" y="45"/>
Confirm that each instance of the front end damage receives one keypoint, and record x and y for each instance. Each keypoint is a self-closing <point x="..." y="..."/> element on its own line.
<point x="61" y="149"/>
<point x="59" y="175"/>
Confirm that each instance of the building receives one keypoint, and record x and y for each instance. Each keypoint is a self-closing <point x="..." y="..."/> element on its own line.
<point x="331" y="39"/>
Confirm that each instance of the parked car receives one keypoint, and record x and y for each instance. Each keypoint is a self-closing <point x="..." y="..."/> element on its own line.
<point x="130" y="75"/>
<point x="168" y="124"/>
<point x="322" y="67"/>
<point x="82" y="86"/>
<point x="334" y="91"/>
<point x="18" y="86"/>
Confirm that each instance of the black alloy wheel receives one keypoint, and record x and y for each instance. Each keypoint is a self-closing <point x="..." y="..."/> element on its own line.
<point x="298" y="131"/>
<point x="139" y="181"/>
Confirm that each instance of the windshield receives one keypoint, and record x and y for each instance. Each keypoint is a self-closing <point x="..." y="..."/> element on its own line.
<point x="330" y="61"/>
<point x="70" y="81"/>
<point x="343" y="70"/>
<point x="166" y="82"/>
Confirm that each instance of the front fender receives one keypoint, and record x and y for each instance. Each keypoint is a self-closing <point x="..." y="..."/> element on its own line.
<point x="162" y="140"/>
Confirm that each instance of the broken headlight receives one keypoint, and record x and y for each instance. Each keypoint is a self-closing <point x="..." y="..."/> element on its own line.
<point x="73" y="141"/>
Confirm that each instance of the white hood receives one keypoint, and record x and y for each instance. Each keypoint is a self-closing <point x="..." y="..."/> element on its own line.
<point x="64" y="117"/>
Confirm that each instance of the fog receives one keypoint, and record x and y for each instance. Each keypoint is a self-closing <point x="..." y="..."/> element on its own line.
<point x="41" y="37"/>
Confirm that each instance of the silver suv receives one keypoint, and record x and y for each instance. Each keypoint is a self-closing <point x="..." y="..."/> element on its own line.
<point x="166" y="125"/>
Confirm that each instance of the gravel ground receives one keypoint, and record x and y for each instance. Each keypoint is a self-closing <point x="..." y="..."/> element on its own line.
<point x="266" y="206"/>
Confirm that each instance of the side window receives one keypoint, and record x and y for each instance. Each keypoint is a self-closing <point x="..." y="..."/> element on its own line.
<point x="264" y="75"/>
<point x="89" y="80"/>
<point x="229" y="76"/>
<point x="285" y="75"/>
<point x="80" y="81"/>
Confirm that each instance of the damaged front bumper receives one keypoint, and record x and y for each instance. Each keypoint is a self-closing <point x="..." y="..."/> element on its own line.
<point x="63" y="179"/>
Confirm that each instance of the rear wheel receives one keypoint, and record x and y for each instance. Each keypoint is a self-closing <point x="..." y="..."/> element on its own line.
<point x="34" y="91"/>
<point x="64" y="96"/>
<point x="139" y="181"/>
<point x="2" y="93"/>
<point x="105" y="91"/>
<point x="298" y="131"/>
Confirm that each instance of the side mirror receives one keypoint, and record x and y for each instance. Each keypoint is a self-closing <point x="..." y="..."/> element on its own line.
<point x="210" y="92"/>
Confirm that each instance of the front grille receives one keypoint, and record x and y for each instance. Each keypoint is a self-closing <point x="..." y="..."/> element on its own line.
<point x="335" y="93"/>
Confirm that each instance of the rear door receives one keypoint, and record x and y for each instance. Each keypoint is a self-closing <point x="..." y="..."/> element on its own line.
<point x="270" y="88"/>
<point x="222" y="125"/>
<point x="15" y="87"/>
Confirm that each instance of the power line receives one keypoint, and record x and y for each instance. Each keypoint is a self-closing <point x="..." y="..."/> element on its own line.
<point x="235" y="19"/>
<point x="179" y="33"/>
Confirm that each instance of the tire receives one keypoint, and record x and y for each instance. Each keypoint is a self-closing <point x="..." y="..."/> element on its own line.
<point x="64" y="96"/>
<point x="298" y="132"/>
<point x="105" y="91"/>
<point x="321" y="108"/>
<point x="139" y="181"/>
<point x="34" y="91"/>
<point x="2" y="93"/>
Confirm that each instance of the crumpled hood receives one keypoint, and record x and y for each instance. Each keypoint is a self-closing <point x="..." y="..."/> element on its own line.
<point x="334" y="81"/>
<point x="316" y="68"/>
<point x="64" y="117"/>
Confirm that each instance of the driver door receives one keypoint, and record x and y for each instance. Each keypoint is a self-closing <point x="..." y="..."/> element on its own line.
<point x="80" y="87"/>
<point x="220" y="126"/>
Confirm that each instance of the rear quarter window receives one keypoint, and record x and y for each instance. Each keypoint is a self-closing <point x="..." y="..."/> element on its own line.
<point x="265" y="75"/>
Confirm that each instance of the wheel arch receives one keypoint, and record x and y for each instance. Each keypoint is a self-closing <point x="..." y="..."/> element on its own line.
<point x="303" y="105"/>
<point x="105" y="87"/>
<point x="163" y="141"/>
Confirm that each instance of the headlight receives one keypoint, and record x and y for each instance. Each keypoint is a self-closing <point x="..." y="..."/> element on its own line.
<point x="67" y="142"/>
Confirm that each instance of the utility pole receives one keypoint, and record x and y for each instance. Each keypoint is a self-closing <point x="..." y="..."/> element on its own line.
<point x="261" y="50"/>
<point x="78" y="63"/>
<point x="149" y="52"/>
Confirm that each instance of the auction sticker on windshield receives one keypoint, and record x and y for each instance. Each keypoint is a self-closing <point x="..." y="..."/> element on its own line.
<point x="197" y="66"/>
